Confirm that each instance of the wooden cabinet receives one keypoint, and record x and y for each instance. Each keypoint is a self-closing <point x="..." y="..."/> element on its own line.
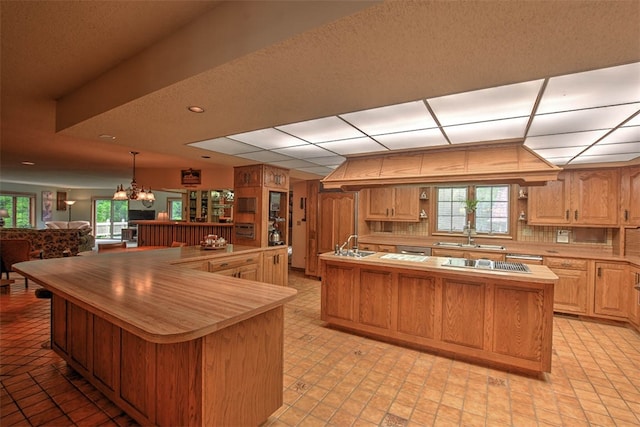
<point x="571" y="293"/>
<point x="393" y="204"/>
<point x="262" y="183"/>
<point x="633" y="312"/>
<point x="588" y="197"/>
<point x="275" y="266"/>
<point x="630" y="196"/>
<point x="244" y="267"/>
<point x="386" y="248"/>
<point x="610" y="289"/>
<point x="466" y="253"/>
<point x="507" y="321"/>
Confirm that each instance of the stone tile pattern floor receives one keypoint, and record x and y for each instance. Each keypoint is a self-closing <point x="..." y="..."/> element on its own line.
<point x="337" y="379"/>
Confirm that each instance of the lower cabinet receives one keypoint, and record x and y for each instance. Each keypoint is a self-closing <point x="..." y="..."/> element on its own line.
<point x="244" y="267"/>
<point x="275" y="265"/>
<point x="506" y="321"/>
<point x="611" y="289"/>
<point x="571" y="293"/>
<point x="634" y="297"/>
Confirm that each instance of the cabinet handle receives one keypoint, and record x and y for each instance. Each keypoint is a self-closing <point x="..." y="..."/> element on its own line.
<point x="387" y="214"/>
<point x="575" y="216"/>
<point x="599" y="271"/>
<point x="393" y="211"/>
<point x="567" y="214"/>
<point x="224" y="264"/>
<point x="626" y="215"/>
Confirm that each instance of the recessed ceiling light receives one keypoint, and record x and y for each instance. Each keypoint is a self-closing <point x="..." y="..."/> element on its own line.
<point x="27" y="163"/>
<point x="106" y="136"/>
<point x="195" y="109"/>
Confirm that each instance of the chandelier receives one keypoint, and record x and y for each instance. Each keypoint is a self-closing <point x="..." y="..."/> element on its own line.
<point x="134" y="192"/>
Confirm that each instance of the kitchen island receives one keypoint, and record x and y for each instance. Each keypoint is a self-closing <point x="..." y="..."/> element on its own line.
<point x="169" y="344"/>
<point x="503" y="318"/>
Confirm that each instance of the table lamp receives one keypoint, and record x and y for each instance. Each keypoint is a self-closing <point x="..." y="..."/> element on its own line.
<point x="3" y="214"/>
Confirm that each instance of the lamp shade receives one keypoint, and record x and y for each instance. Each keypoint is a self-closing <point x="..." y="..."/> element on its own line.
<point x="163" y="216"/>
<point x="4" y="213"/>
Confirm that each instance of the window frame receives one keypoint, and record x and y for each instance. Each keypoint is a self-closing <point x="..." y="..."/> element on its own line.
<point x="33" y="200"/>
<point x="471" y="194"/>
<point x="170" y="202"/>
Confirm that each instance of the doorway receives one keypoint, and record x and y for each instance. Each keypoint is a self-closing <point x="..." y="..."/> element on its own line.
<point x="110" y="217"/>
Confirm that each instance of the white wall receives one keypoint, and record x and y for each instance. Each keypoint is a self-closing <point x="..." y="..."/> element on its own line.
<point x="83" y="197"/>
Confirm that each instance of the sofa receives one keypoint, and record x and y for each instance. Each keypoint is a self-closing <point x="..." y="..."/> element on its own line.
<point x="53" y="242"/>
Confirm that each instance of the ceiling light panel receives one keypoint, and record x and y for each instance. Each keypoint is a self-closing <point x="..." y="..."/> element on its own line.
<point x="549" y="153"/>
<point x="264" y="156"/>
<point x="294" y="164"/>
<point x="623" y="134"/>
<point x="580" y="120"/>
<point x="304" y="151"/>
<point x="487" y="131"/>
<point x="354" y="146"/>
<point x="597" y="88"/>
<point x="415" y="139"/>
<point x="516" y="100"/>
<point x="603" y="158"/>
<point x="579" y="139"/>
<point x="225" y="146"/>
<point x="634" y="121"/>
<point x="608" y="149"/>
<point x="391" y="119"/>
<point x="327" y="161"/>
<point x="322" y="130"/>
<point x="268" y="139"/>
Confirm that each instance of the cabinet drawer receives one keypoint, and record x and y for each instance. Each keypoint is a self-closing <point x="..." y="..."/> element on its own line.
<point x="573" y="264"/>
<point x="368" y="247"/>
<point x="231" y="262"/>
<point x="386" y="248"/>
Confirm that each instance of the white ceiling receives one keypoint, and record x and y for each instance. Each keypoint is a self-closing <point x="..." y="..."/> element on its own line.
<point x="304" y="84"/>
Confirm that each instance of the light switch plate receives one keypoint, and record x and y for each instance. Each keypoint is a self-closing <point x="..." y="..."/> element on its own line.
<point x="562" y="236"/>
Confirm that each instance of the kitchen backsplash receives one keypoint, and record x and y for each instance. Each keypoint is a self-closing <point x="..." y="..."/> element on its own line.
<point x="525" y="233"/>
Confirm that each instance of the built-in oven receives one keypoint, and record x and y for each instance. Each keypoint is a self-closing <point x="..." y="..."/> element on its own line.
<point x="245" y="230"/>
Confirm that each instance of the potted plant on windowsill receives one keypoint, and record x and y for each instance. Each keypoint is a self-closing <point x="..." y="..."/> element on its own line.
<point x="470" y="205"/>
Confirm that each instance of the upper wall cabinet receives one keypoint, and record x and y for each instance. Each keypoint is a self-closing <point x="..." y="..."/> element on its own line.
<point x="393" y="204"/>
<point x="588" y="197"/>
<point x="630" y="188"/>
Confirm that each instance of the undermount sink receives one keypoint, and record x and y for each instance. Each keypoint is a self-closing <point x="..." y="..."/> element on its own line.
<point x="473" y="245"/>
<point x="355" y="254"/>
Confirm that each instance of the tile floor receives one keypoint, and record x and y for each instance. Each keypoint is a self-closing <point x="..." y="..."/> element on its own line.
<point x="336" y="379"/>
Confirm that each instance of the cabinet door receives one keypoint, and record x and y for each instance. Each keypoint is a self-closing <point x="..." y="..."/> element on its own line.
<point x="247" y="176"/>
<point x="274" y="267"/>
<point x="610" y="290"/>
<point x="549" y="204"/>
<point x="406" y="205"/>
<point x="276" y="177"/>
<point x="338" y="282"/>
<point x="336" y="220"/>
<point x="571" y="293"/>
<point x="249" y="272"/>
<point x="634" y="297"/>
<point x="374" y="298"/>
<point x="380" y="203"/>
<point x="312" y="264"/>
<point x="630" y="187"/>
<point x="594" y="197"/>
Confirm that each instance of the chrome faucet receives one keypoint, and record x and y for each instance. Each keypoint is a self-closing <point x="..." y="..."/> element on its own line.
<point x="354" y="247"/>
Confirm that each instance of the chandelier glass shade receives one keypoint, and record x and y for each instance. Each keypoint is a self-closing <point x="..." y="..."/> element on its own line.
<point x="134" y="192"/>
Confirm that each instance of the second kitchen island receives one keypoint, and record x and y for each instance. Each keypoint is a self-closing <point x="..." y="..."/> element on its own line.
<point x="504" y="318"/>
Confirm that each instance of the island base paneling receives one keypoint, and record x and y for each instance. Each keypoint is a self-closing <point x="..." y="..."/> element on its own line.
<point x="230" y="377"/>
<point x="504" y="321"/>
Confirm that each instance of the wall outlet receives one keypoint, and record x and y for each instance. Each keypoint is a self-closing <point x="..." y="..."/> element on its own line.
<point x="562" y="236"/>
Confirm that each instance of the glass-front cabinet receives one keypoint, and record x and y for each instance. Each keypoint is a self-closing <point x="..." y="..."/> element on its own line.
<point x="210" y="205"/>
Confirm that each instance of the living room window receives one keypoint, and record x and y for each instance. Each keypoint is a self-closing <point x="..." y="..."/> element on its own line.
<point x="21" y="208"/>
<point x="174" y="207"/>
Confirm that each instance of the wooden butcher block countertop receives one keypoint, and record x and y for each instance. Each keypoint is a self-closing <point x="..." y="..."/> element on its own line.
<point x="145" y="294"/>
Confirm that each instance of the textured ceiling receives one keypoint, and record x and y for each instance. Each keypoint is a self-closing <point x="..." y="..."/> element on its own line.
<point x="129" y="69"/>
